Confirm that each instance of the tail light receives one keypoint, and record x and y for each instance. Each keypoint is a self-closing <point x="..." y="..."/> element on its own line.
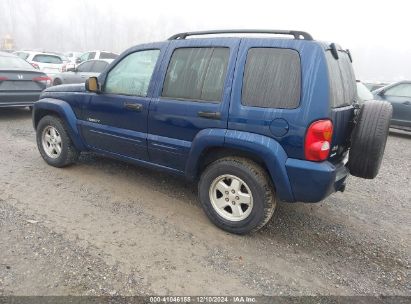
<point x="318" y="140"/>
<point x="35" y="65"/>
<point x="43" y="79"/>
<point x="3" y="78"/>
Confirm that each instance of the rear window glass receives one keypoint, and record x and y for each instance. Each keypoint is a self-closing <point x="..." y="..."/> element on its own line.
<point x="14" y="63"/>
<point x="105" y="55"/>
<point x="197" y="74"/>
<point x="47" y="59"/>
<point x="343" y="87"/>
<point x="272" y="78"/>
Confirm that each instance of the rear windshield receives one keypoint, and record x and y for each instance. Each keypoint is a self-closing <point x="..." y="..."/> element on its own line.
<point x="47" y="59"/>
<point x="343" y="88"/>
<point x="14" y="63"/>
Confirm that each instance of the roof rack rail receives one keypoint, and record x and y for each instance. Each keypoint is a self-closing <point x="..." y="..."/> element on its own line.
<point x="296" y="34"/>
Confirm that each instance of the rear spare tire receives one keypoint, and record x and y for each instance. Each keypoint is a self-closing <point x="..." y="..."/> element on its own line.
<point x="369" y="138"/>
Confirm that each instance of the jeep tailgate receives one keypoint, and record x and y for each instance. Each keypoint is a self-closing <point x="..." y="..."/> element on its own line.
<point x="343" y="95"/>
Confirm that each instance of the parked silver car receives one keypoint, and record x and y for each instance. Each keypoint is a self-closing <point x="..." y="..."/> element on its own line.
<point x="399" y="95"/>
<point x="82" y="72"/>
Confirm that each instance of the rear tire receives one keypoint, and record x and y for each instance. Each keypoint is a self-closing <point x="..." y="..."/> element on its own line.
<point x="54" y="143"/>
<point x="246" y="201"/>
<point x="369" y="138"/>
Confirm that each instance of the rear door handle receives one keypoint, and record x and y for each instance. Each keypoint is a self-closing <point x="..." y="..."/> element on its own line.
<point x="133" y="106"/>
<point x="209" y="115"/>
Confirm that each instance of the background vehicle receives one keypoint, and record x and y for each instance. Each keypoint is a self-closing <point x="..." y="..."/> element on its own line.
<point x="20" y="83"/>
<point x="72" y="56"/>
<point x="249" y="118"/>
<point x="96" y="55"/>
<point x="363" y="92"/>
<point x="82" y="72"/>
<point x="399" y="95"/>
<point x="48" y="63"/>
<point x="374" y="86"/>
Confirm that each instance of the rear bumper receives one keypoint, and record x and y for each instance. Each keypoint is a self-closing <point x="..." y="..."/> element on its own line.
<point x="18" y="99"/>
<point x="312" y="182"/>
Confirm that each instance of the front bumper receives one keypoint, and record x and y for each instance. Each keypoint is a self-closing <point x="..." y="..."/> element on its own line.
<point x="312" y="182"/>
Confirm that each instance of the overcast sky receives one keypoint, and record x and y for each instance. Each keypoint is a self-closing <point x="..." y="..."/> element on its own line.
<point x="377" y="32"/>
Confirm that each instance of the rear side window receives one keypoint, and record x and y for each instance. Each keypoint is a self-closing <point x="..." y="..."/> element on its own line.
<point x="196" y="74"/>
<point x="106" y="55"/>
<point x="47" y="59"/>
<point x="343" y="87"/>
<point x="272" y="78"/>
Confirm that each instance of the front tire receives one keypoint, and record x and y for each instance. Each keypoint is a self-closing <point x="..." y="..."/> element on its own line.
<point x="237" y="195"/>
<point x="57" y="81"/>
<point x="54" y="143"/>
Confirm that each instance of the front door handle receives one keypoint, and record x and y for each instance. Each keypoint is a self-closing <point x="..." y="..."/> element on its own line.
<point x="209" y="115"/>
<point x="133" y="106"/>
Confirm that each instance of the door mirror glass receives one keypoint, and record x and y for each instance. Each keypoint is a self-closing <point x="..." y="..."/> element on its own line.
<point x="92" y="85"/>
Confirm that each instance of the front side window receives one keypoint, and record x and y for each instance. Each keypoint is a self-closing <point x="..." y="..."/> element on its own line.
<point x="401" y="90"/>
<point x="196" y="74"/>
<point x="272" y="78"/>
<point x="132" y="75"/>
<point x="99" y="66"/>
<point x="85" y="67"/>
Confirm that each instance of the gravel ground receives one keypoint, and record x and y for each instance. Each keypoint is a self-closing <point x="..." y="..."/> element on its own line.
<point x="103" y="227"/>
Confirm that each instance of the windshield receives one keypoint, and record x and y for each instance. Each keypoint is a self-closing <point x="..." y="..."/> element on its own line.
<point x="14" y="63"/>
<point x="363" y="92"/>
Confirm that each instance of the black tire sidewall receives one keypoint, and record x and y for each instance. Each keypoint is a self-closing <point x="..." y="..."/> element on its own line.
<point x="65" y="141"/>
<point x="57" y="81"/>
<point x="369" y="139"/>
<point x="257" y="213"/>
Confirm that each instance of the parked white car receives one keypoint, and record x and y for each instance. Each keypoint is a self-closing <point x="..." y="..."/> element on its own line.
<point x="96" y="55"/>
<point x="49" y="63"/>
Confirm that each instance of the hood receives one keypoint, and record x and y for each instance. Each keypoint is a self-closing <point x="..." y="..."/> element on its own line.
<point x="79" y="87"/>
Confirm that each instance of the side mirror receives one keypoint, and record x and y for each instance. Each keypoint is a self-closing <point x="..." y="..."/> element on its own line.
<point x="381" y="93"/>
<point x="92" y="85"/>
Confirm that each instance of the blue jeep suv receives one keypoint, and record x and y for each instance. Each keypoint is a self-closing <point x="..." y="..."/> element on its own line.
<point x="254" y="120"/>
